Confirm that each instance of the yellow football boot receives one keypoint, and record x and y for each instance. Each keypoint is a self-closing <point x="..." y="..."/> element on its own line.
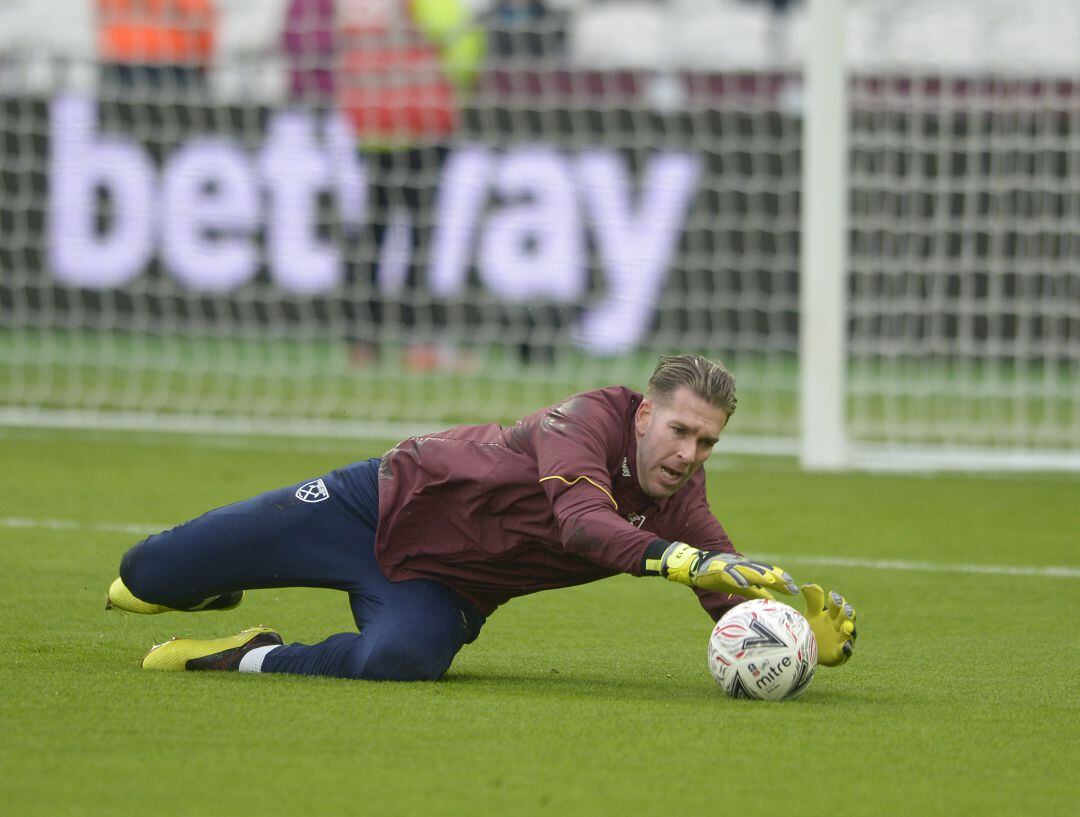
<point x="120" y="598"/>
<point x="191" y="654"/>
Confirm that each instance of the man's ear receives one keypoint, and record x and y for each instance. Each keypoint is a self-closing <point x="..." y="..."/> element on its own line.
<point x="643" y="416"/>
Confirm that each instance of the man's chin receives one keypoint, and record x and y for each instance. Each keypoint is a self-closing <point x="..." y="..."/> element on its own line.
<point x="662" y="491"/>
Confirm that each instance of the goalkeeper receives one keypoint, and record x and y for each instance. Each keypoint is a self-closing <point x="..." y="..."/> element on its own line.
<point x="432" y="538"/>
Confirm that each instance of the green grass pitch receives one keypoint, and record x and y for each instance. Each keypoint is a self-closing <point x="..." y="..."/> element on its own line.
<point x="963" y="697"/>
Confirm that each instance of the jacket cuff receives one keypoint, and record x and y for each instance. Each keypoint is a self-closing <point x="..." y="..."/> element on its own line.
<point x="653" y="557"/>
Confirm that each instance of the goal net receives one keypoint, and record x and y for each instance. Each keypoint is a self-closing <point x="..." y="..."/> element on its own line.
<point x="964" y="288"/>
<point x="319" y="224"/>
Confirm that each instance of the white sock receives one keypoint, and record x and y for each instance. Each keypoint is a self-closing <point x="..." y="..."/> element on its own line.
<point x="253" y="660"/>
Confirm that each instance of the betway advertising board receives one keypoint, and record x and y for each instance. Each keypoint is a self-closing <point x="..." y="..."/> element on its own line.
<point x="218" y="210"/>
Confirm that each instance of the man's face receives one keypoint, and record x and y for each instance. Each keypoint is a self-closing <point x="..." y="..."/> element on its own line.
<point x="674" y="438"/>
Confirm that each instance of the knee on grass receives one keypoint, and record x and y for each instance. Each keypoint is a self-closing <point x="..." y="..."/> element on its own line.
<point x="386" y="658"/>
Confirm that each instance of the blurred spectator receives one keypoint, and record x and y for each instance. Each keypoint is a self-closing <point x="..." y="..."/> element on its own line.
<point x="530" y="35"/>
<point x="310" y="40"/>
<point x="151" y="45"/>
<point x="398" y="69"/>
<point x="528" y="29"/>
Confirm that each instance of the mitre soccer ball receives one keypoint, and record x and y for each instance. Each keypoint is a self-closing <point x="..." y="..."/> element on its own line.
<point x="763" y="650"/>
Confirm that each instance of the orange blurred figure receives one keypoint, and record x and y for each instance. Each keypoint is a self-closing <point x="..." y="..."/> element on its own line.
<point x="156" y="32"/>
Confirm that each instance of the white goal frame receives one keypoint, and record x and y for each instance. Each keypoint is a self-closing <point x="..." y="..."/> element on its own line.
<point x="824" y="442"/>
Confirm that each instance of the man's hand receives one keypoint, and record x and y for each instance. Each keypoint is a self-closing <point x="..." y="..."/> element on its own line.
<point x="833" y="623"/>
<point x="724" y="572"/>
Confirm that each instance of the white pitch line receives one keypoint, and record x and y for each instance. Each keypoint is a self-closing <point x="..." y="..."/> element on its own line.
<point x="1047" y="571"/>
<point x="71" y="524"/>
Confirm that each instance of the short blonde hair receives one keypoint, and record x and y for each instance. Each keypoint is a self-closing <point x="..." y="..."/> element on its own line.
<point x="709" y="379"/>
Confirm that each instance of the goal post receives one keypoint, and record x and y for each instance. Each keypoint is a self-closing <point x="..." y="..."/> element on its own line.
<point x="823" y="260"/>
<point x="956" y="237"/>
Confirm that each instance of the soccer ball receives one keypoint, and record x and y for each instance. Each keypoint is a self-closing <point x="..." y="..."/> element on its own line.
<point x="763" y="650"/>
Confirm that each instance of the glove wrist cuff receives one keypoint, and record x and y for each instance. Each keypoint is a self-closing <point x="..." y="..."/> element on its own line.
<point x="680" y="562"/>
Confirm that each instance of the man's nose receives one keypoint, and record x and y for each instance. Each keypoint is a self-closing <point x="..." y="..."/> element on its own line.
<point x="687" y="450"/>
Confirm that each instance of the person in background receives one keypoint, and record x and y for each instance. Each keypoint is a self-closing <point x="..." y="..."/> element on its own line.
<point x="308" y="39"/>
<point x="530" y="36"/>
<point x="399" y="71"/>
<point x="526" y="31"/>
<point x="151" y="46"/>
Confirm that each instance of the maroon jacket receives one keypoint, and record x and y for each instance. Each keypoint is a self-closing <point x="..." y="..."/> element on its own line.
<point x="551" y="501"/>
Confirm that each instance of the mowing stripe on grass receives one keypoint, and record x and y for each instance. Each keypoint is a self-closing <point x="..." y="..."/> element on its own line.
<point x="1044" y="571"/>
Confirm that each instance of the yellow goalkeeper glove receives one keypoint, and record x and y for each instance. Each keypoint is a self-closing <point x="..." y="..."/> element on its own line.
<point x="724" y="572"/>
<point x="833" y="623"/>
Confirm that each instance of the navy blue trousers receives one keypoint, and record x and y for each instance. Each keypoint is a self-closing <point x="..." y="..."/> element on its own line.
<point x="314" y="534"/>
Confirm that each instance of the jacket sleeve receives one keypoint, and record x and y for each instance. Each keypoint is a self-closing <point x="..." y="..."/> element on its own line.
<point x="716" y="604"/>
<point x="574" y="443"/>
